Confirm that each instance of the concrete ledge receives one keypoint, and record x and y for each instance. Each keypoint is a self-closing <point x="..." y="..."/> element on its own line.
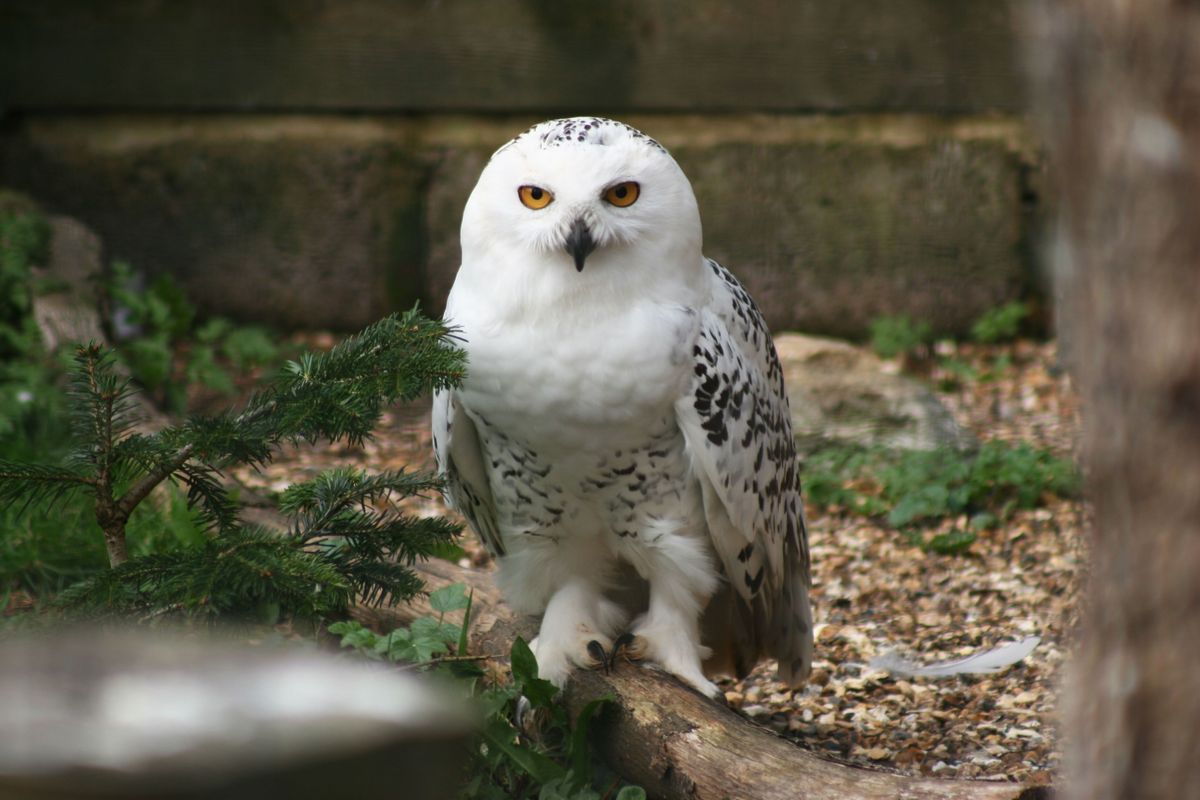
<point x="314" y="221"/>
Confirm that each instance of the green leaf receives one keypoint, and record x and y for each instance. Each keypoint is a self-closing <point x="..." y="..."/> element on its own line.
<point x="1000" y="324"/>
<point x="149" y="359"/>
<point x="577" y="748"/>
<point x="568" y="788"/>
<point x="500" y="734"/>
<point x="950" y="543"/>
<point x="430" y="628"/>
<point x="355" y="636"/>
<point x="524" y="664"/>
<point x="449" y="598"/>
<point x="631" y="793"/>
<point x="540" y="693"/>
<point x="465" y="629"/>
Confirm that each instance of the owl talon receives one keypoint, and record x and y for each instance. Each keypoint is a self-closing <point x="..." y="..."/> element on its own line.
<point x="596" y="651"/>
<point x="619" y="645"/>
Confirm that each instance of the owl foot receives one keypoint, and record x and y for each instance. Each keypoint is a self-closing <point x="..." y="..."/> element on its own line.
<point x="588" y="650"/>
<point x="674" y="652"/>
<point x="620" y="647"/>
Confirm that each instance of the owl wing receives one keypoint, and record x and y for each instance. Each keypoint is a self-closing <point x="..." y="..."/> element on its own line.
<point x="460" y="462"/>
<point x="737" y="424"/>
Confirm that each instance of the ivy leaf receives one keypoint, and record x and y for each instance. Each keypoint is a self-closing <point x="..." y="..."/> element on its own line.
<point x="430" y="628"/>
<point x="449" y="598"/>
<point x="355" y="635"/>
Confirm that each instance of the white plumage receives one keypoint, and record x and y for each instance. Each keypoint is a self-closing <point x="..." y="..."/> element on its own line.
<point x="622" y="442"/>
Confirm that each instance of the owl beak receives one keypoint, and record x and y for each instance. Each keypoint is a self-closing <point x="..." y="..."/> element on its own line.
<point x="580" y="243"/>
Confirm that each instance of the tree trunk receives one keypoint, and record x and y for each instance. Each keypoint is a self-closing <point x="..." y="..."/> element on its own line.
<point x="1118" y="86"/>
<point x="677" y="743"/>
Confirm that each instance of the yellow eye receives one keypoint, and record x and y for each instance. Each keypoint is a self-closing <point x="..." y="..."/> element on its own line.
<point x="623" y="194"/>
<point x="534" y="197"/>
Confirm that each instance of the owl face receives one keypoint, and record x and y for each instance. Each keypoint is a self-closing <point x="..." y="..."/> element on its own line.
<point x="582" y="194"/>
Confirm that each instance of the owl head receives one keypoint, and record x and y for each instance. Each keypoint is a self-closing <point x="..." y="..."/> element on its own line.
<point x="581" y="199"/>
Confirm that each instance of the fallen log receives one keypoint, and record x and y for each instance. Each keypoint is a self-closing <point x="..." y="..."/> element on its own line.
<point x="676" y="743"/>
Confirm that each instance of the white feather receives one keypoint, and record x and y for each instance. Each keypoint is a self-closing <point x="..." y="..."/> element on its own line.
<point x="988" y="661"/>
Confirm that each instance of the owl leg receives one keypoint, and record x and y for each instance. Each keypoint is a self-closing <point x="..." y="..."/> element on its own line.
<point x="576" y="631"/>
<point x="681" y="580"/>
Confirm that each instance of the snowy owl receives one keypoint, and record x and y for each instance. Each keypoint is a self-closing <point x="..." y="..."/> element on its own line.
<point x="622" y="442"/>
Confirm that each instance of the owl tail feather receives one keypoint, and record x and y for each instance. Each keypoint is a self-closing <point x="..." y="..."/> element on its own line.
<point x="794" y="646"/>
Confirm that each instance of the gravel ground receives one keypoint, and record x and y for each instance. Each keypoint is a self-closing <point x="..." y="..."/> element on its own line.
<point x="875" y="593"/>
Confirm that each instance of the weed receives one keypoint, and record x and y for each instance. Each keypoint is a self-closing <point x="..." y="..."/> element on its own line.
<point x="506" y="762"/>
<point x="899" y="335"/>
<point x="1000" y="324"/>
<point x="914" y="489"/>
<point x="167" y="350"/>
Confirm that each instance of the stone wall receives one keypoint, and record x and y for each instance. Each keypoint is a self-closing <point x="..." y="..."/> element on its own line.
<point x="306" y="162"/>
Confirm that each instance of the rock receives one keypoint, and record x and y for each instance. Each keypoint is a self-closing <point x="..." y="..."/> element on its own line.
<point x="840" y="393"/>
<point x="70" y="313"/>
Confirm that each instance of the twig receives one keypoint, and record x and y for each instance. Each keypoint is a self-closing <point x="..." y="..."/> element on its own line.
<point x="433" y="662"/>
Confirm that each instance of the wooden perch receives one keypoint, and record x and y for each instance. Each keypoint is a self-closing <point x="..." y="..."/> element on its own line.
<point x="677" y="744"/>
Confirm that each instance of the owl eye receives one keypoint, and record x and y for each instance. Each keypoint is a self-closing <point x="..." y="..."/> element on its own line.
<point x="623" y="194"/>
<point x="534" y="197"/>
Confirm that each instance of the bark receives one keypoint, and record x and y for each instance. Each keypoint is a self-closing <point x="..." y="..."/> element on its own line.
<point x="679" y="744"/>
<point x="1118" y="87"/>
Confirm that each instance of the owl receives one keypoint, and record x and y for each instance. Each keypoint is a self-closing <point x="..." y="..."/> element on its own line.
<point x="622" y="442"/>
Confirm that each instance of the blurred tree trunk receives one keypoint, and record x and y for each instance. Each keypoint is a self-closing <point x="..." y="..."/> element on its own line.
<point x="1118" y="94"/>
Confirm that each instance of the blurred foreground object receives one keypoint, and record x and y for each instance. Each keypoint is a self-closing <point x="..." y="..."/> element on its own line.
<point x="158" y="715"/>
<point x="1119" y="96"/>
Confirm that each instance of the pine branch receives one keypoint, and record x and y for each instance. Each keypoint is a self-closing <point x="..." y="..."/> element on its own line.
<point x="103" y="409"/>
<point x="31" y="483"/>
<point x="341" y="544"/>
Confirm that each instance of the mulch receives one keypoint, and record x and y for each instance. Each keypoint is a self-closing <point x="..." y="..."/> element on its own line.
<point x="875" y="593"/>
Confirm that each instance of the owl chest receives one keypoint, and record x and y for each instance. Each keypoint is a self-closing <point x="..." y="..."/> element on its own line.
<point x="560" y="389"/>
<point x="617" y="490"/>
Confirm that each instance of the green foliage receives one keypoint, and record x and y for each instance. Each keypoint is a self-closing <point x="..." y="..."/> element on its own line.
<point x="168" y="350"/>
<point x="998" y="477"/>
<point x="49" y="546"/>
<point x="913" y="489"/>
<point x="833" y="477"/>
<point x="554" y="764"/>
<point x="899" y="335"/>
<point x="345" y="540"/>
<point x="1000" y="324"/>
<point x="29" y="396"/>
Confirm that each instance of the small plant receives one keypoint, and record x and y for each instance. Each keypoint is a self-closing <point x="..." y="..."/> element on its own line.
<point x="338" y="546"/>
<point x="166" y="349"/>
<point x="506" y="762"/>
<point x="914" y="489"/>
<point x="29" y="396"/>
<point x="899" y="335"/>
<point x="1000" y="324"/>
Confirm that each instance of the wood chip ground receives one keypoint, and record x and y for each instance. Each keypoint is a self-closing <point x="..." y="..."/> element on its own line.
<point x="874" y="593"/>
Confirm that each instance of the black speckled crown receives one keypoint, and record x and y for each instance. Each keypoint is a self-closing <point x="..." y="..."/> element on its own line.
<point x="583" y="130"/>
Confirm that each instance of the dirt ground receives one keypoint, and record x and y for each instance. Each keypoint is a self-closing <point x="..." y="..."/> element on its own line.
<point x="875" y="593"/>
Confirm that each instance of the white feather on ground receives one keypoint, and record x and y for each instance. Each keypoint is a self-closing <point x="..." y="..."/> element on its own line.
<point x="994" y="660"/>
